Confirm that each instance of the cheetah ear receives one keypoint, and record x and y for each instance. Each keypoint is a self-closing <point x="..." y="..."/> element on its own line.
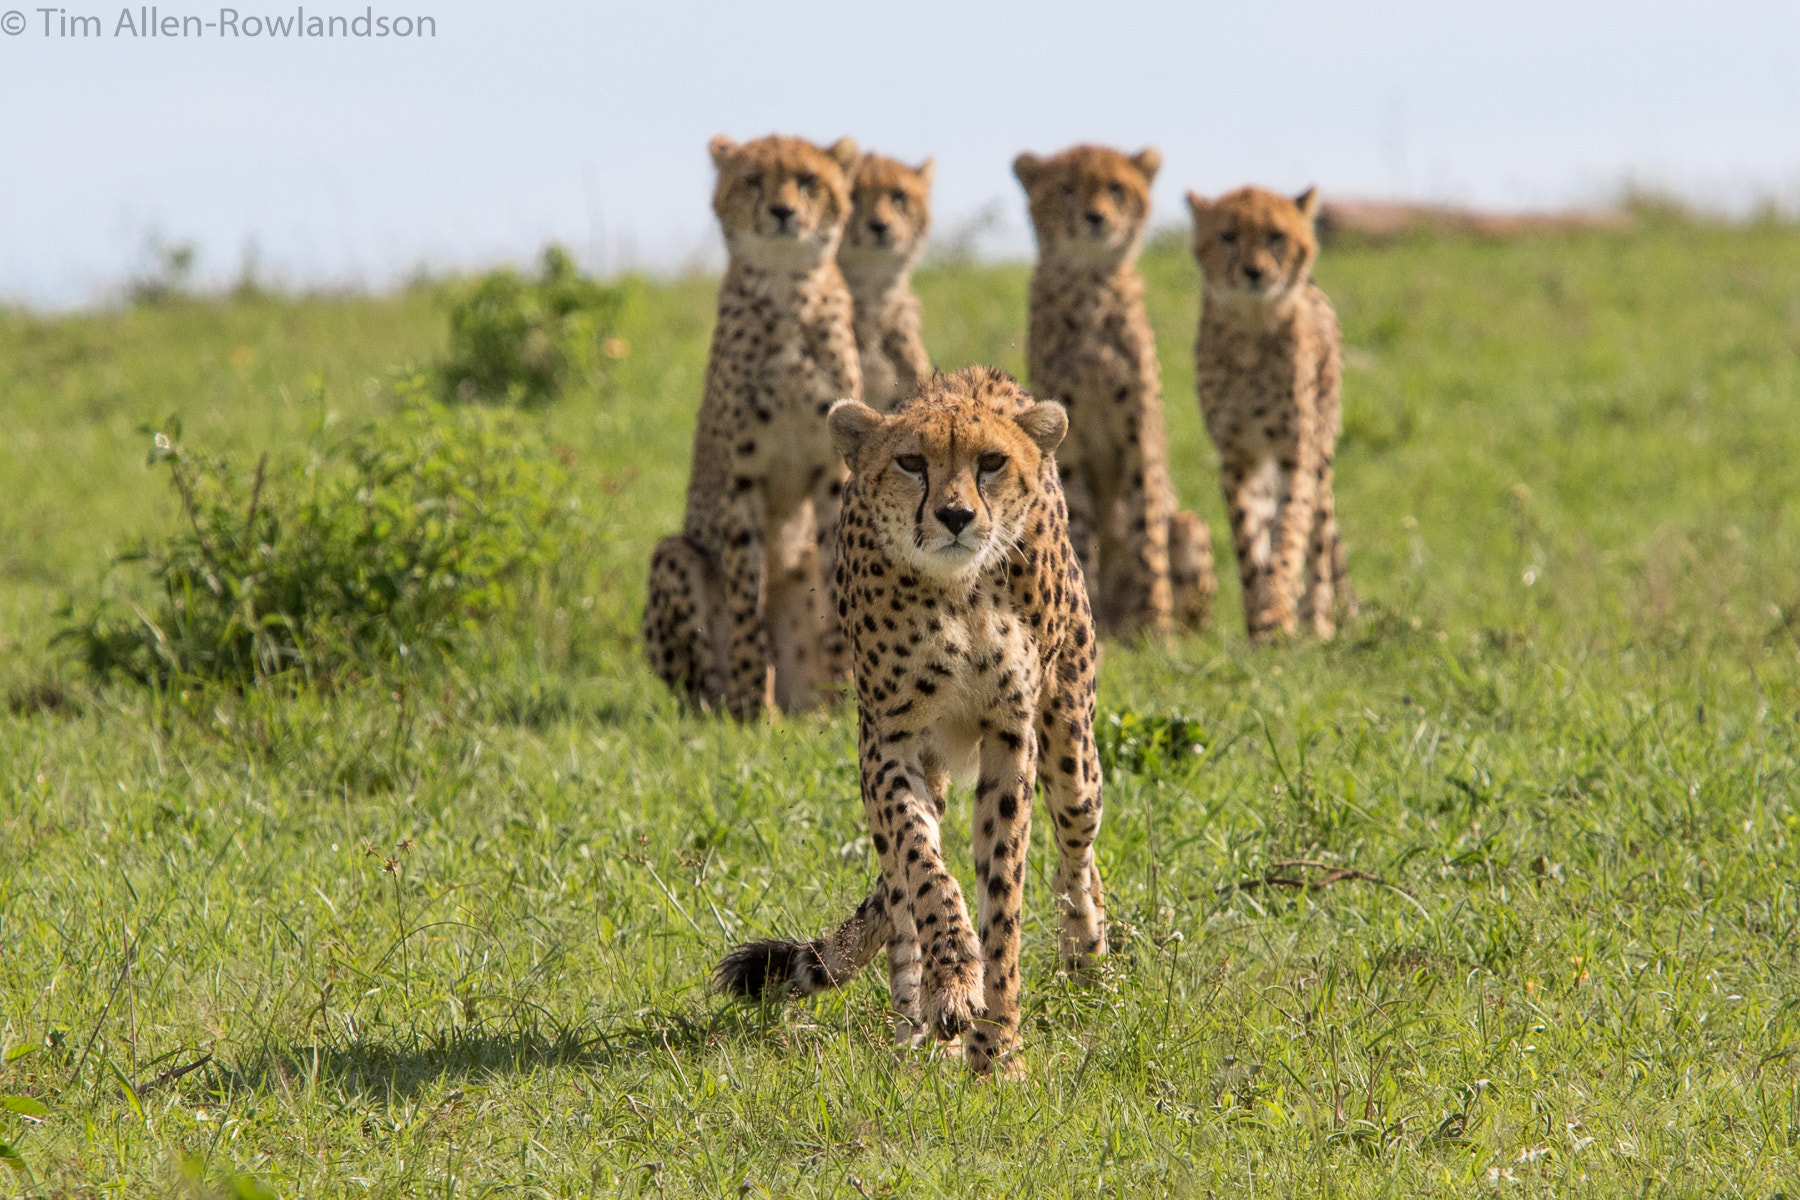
<point x="1308" y="202"/>
<point x="847" y="155"/>
<point x="926" y="171"/>
<point x="1044" y="423"/>
<point x="1028" y="168"/>
<point x="1198" y="205"/>
<point x="1149" y="161"/>
<point x="852" y="424"/>
<point x="720" y="148"/>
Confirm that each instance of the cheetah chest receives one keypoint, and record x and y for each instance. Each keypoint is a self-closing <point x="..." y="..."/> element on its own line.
<point x="783" y="440"/>
<point x="1248" y="396"/>
<point x="958" y="669"/>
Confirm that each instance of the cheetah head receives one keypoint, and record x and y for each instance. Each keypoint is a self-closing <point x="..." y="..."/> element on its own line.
<point x="890" y="214"/>
<point x="1089" y="203"/>
<point x="1255" y="245"/>
<point x="782" y="201"/>
<point x="947" y="481"/>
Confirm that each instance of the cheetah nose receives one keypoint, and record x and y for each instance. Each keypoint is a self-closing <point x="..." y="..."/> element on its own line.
<point x="1254" y="275"/>
<point x="878" y="228"/>
<point x="954" y="519"/>
<point x="1096" y="219"/>
<point x="781" y="212"/>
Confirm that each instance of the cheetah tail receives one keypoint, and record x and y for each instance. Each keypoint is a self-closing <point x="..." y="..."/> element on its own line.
<point x="794" y="970"/>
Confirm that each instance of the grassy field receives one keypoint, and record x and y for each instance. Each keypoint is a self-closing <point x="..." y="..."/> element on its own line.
<point x="449" y="936"/>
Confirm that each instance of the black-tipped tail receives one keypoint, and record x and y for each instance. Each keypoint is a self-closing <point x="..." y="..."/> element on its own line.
<point x="774" y="969"/>
<point x="768" y="970"/>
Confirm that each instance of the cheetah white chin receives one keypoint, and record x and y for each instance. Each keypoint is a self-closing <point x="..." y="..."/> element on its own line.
<point x="952" y="560"/>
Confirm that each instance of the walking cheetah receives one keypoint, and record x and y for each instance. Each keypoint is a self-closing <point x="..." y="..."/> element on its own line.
<point x="974" y="654"/>
<point x="1270" y="361"/>
<point x="736" y="613"/>
<point x="1092" y="350"/>
<point x="890" y="214"/>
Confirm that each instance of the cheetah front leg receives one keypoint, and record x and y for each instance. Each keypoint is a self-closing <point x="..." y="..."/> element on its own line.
<point x="1069" y="773"/>
<point x="932" y="942"/>
<point x="1297" y="508"/>
<point x="1192" y="583"/>
<point x="1002" y="838"/>
<point x="1082" y="519"/>
<point x="1347" y="604"/>
<point x="794" y="609"/>
<point x="680" y="626"/>
<point x="743" y="568"/>
<point x="906" y="971"/>
<point x="1328" y="593"/>
<point x="1251" y="495"/>
<point x="906" y="965"/>
<point x="1133" y="515"/>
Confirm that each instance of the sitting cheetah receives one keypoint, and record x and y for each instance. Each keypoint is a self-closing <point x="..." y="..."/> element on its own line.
<point x="1091" y="349"/>
<point x="974" y="654"/>
<point x="890" y="214"/>
<point x="736" y="614"/>
<point x="1270" y="359"/>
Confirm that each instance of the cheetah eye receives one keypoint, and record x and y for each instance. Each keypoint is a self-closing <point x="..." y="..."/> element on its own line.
<point x="991" y="464"/>
<point x="1068" y="189"/>
<point x="912" y="464"/>
<point x="1228" y="237"/>
<point x="899" y="201"/>
<point x="1118" y="192"/>
<point x="806" y="182"/>
<point x="1276" y="242"/>
<point x="755" y="181"/>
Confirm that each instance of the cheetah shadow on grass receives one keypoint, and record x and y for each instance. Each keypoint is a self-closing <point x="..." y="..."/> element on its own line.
<point x="386" y="1070"/>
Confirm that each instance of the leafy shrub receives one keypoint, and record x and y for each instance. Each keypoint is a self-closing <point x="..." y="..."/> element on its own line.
<point x="1148" y="743"/>
<point x="169" y="279"/>
<point x="520" y="341"/>
<point x="371" y="552"/>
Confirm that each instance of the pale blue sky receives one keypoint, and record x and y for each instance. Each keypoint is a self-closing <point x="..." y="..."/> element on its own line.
<point x="355" y="161"/>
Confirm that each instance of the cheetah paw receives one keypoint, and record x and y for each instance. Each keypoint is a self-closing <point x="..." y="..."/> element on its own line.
<point x="910" y="1034"/>
<point x="955" y="1003"/>
<point x="1004" y="1067"/>
<point x="1085" y="968"/>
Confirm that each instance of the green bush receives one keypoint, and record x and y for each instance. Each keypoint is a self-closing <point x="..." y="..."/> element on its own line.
<point x="521" y="341"/>
<point x="374" y="551"/>
<point x="1148" y="743"/>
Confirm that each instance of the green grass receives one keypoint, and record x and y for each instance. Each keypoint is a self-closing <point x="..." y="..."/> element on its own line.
<point x="449" y="936"/>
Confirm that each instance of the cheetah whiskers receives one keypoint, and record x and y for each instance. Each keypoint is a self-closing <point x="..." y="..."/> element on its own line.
<point x="1007" y="543"/>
